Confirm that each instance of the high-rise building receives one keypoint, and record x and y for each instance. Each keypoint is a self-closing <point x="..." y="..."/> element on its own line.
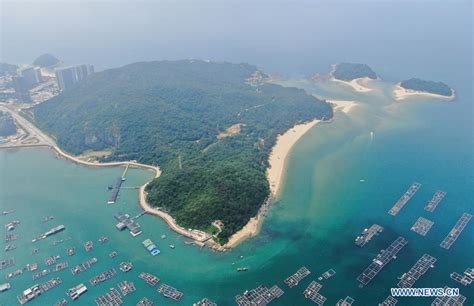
<point x="68" y="76"/>
<point x="21" y="86"/>
<point x="32" y="76"/>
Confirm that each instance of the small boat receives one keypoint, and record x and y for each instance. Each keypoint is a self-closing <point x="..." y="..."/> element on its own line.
<point x="242" y="269"/>
<point x="163" y="236"/>
<point x="361" y="180"/>
<point x="172" y="246"/>
<point x="110" y="187"/>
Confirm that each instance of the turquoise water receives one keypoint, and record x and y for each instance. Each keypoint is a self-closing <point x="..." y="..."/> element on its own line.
<point x="322" y="208"/>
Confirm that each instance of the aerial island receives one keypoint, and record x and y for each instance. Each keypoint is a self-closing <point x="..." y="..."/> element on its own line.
<point x="46" y="60"/>
<point x="209" y="126"/>
<point x="419" y="87"/>
<point x="354" y="75"/>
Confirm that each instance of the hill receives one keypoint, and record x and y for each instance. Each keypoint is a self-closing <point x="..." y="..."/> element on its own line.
<point x="171" y="114"/>
<point x="45" y="60"/>
<point x="438" y="88"/>
<point x="349" y="72"/>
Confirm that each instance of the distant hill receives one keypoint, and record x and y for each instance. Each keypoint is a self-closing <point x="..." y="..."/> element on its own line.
<point x="171" y="113"/>
<point x="349" y="72"/>
<point x="7" y="69"/>
<point x="46" y="60"/>
<point x="438" y="88"/>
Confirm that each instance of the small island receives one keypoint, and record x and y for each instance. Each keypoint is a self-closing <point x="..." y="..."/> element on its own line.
<point x="45" y="60"/>
<point x="419" y="87"/>
<point x="354" y="75"/>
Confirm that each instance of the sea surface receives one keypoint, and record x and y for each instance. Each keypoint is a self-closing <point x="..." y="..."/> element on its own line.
<point x="323" y="204"/>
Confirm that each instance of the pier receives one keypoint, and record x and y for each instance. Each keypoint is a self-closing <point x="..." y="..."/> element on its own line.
<point x="433" y="203"/>
<point x="368" y="234"/>
<point x="259" y="296"/>
<point x="381" y="260"/>
<point x="294" y="279"/>
<point x="404" y="199"/>
<point x="115" y="191"/>
<point x="407" y="280"/>
<point x="422" y="226"/>
<point x="312" y="293"/>
<point x="449" y="300"/>
<point x="456" y="231"/>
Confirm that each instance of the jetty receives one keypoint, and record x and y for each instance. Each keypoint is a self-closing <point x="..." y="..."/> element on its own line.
<point x="170" y="292"/>
<point x="125" y="221"/>
<point x="404" y="199"/>
<point x="367" y="234"/>
<point x="111" y="298"/>
<point x="294" y="279"/>
<point x="449" y="300"/>
<point x="422" y="226"/>
<point x="456" y="231"/>
<point x="115" y="191"/>
<point x="312" y="293"/>
<point x="433" y="203"/>
<point x="381" y="260"/>
<point x="407" y="280"/>
<point x="258" y="296"/>
<point x="347" y="301"/>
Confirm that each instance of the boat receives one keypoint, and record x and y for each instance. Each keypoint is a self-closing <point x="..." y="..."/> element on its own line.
<point x="242" y="269"/>
<point x="151" y="247"/>
<point x="5" y="287"/>
<point x="75" y="292"/>
<point x="172" y="246"/>
<point x="125" y="266"/>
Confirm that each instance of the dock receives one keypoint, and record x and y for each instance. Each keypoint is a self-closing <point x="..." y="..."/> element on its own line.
<point x="449" y="300"/>
<point x="433" y="203"/>
<point x="422" y="226"/>
<point x="456" y="231"/>
<point x="407" y="280"/>
<point x="389" y="301"/>
<point x="312" y="293"/>
<point x="261" y="295"/>
<point x="125" y="221"/>
<point x="347" y="301"/>
<point x="170" y="292"/>
<point x="294" y="279"/>
<point x="52" y="231"/>
<point x="115" y="191"/>
<point x="381" y="260"/>
<point x="404" y="199"/>
<point x="367" y="234"/>
<point x="111" y="298"/>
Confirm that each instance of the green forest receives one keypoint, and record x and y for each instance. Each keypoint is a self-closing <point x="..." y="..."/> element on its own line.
<point x="349" y="72"/>
<point x="169" y="113"/>
<point x="438" y="88"/>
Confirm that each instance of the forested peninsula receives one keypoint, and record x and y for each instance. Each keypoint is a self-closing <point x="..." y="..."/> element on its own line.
<point x="209" y="126"/>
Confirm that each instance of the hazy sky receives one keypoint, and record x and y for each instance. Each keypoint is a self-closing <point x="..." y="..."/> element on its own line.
<point x="277" y="36"/>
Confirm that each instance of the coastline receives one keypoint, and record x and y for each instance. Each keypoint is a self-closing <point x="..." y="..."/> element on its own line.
<point x="359" y="84"/>
<point x="276" y="170"/>
<point x="401" y="93"/>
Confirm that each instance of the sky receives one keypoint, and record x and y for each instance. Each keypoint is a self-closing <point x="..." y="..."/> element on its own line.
<point x="292" y="37"/>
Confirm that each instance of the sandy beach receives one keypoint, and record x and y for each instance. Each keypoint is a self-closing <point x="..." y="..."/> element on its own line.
<point x="401" y="93"/>
<point x="359" y="85"/>
<point x="276" y="170"/>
